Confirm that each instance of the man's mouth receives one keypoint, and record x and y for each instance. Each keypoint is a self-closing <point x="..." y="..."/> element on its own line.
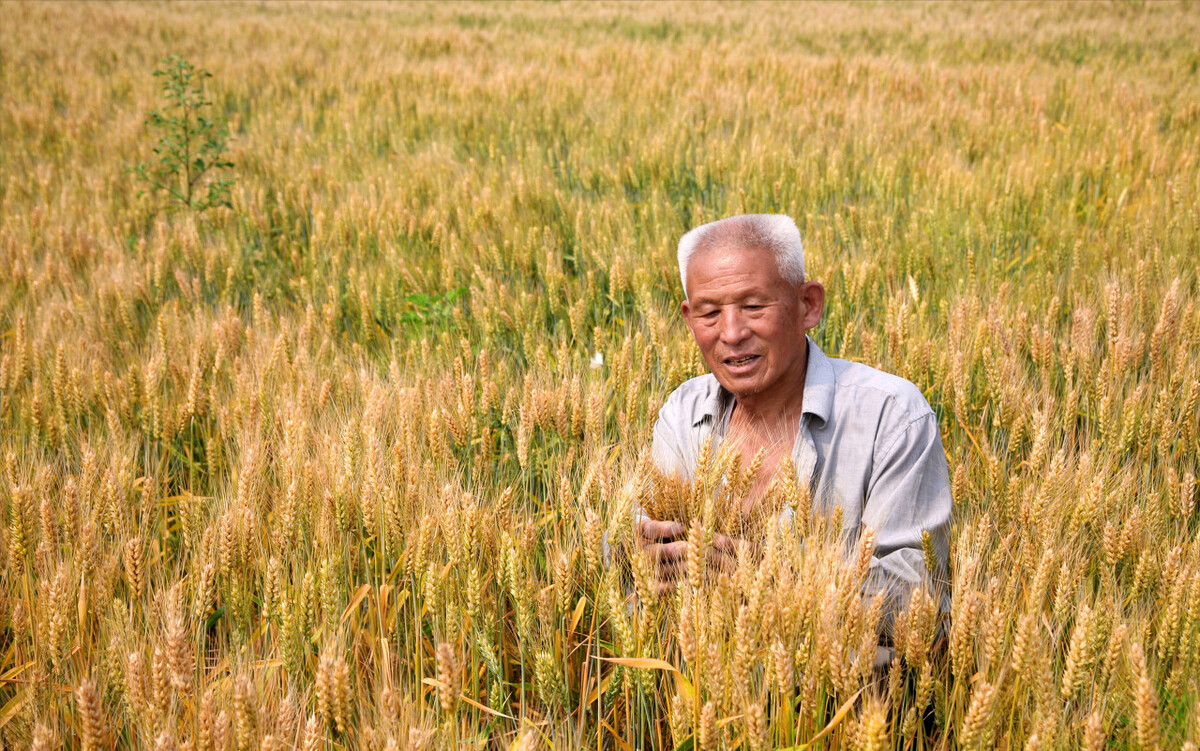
<point x="738" y="362"/>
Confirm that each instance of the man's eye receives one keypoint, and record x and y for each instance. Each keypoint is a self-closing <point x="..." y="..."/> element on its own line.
<point x="754" y="307"/>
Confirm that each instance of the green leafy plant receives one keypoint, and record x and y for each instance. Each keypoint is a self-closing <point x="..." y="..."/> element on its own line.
<point x="430" y="308"/>
<point x="190" y="167"/>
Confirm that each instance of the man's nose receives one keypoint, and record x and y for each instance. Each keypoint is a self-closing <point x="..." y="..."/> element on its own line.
<point x="733" y="327"/>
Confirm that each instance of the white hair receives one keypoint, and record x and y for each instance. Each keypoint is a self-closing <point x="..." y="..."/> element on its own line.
<point x="774" y="232"/>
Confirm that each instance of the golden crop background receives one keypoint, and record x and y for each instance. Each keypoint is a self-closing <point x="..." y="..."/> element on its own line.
<point x="334" y="468"/>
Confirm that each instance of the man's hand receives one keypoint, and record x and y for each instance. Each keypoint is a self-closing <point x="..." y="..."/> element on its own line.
<point x="722" y="554"/>
<point x="665" y="542"/>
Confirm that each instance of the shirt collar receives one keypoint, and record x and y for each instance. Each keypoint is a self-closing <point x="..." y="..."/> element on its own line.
<point x="819" y="384"/>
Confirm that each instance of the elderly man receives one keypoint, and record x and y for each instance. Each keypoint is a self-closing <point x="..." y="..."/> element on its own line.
<point x="863" y="439"/>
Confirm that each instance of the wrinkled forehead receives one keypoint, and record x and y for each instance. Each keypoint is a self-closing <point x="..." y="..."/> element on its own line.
<point x="736" y="264"/>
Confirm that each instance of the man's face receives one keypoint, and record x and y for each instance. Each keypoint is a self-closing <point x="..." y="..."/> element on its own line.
<point x="748" y="320"/>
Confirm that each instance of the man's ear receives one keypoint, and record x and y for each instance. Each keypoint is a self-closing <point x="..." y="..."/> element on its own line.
<point x="812" y="294"/>
<point x="685" y="310"/>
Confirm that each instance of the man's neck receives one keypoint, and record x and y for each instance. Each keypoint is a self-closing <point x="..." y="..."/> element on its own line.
<point x="778" y="408"/>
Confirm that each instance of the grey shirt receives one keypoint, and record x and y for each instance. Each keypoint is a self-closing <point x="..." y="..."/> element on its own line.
<point x="868" y="441"/>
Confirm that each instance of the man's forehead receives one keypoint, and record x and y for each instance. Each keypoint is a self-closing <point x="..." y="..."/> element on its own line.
<point x="733" y="269"/>
<point x="732" y="257"/>
<point x="733" y="293"/>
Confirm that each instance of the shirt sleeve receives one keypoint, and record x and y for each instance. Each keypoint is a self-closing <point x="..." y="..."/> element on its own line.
<point x="908" y="494"/>
<point x="666" y="448"/>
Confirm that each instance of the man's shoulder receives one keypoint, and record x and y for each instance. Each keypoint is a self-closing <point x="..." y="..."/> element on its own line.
<point x="691" y="400"/>
<point x="864" y="384"/>
<point x="702" y="385"/>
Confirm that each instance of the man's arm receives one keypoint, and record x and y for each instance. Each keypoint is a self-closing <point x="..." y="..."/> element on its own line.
<point x="663" y="540"/>
<point x="909" y="494"/>
<point x="674" y="450"/>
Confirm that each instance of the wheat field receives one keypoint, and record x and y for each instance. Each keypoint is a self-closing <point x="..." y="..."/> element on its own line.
<point x="349" y="464"/>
